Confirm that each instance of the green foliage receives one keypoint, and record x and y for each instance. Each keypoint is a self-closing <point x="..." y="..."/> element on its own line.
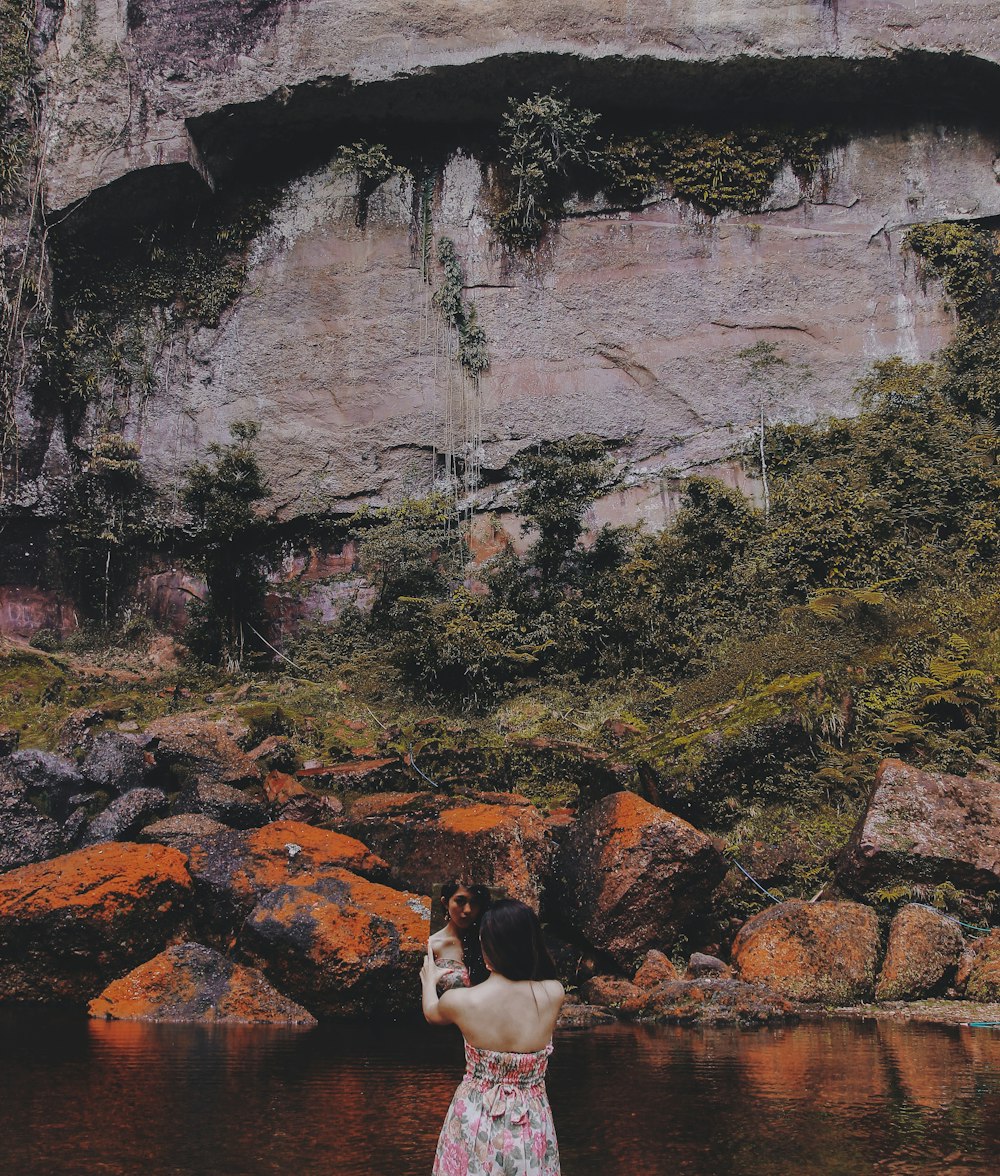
<point x="108" y="528"/>
<point x="372" y="164"/>
<point x="556" y="484"/>
<point x="17" y="22"/>
<point x="411" y="550"/>
<point x="232" y="544"/>
<point x="542" y="139"/>
<point x="458" y="314"/>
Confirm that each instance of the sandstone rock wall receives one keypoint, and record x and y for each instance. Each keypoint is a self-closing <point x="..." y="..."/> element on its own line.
<point x="629" y="324"/>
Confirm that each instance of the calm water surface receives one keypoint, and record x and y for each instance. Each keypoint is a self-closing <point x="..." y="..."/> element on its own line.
<point x="93" y="1097"/>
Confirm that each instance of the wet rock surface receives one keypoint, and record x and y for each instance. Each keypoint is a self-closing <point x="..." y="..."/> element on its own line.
<point x="827" y="952"/>
<point x="922" y="955"/>
<point x="191" y="982"/>
<point x="340" y="944"/>
<point x="69" y="925"/>
<point x="631" y="874"/>
<point x="925" y="827"/>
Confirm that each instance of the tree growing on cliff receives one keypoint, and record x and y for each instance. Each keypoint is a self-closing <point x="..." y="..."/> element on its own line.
<point x="233" y="544"/>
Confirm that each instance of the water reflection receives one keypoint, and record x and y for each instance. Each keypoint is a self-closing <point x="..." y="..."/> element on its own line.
<point x="838" y="1097"/>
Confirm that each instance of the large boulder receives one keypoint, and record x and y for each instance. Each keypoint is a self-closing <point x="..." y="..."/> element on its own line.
<point x="922" y="956"/>
<point x="191" y="982"/>
<point x="633" y="873"/>
<point x="50" y="780"/>
<point x="925" y="827"/>
<point x="26" y="835"/>
<point x="125" y="816"/>
<point x="811" y="951"/>
<point x="231" y="806"/>
<point x="340" y="944"/>
<point x="114" y="762"/>
<point x="234" y="869"/>
<point x="979" y="969"/>
<point x="70" y="925"/>
<point x="494" y="840"/>
<point x="193" y="746"/>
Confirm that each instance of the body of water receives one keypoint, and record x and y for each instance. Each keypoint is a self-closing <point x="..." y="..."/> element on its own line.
<point x="78" y="1096"/>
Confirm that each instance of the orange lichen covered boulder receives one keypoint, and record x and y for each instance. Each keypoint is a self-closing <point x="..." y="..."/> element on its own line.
<point x="191" y="982"/>
<point x="233" y="869"/>
<point x="979" y="971"/>
<point x="923" y="953"/>
<point x="655" y="968"/>
<point x="633" y="873"/>
<point x="428" y="838"/>
<point x="67" y="926"/>
<point x="811" y="951"/>
<point x="340" y="944"/>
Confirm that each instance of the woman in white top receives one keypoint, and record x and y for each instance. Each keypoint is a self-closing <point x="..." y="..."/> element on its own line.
<point x="499" y="1122"/>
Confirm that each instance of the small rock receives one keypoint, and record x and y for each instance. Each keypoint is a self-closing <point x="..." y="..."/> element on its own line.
<point x="9" y="739"/>
<point x="125" y="816"/>
<point x="75" y="730"/>
<point x="49" y="779"/>
<point x="182" y="831"/>
<point x="223" y="803"/>
<point x="700" y="966"/>
<point x="191" y="982"/>
<point x="655" y="968"/>
<point x="114" y="762"/>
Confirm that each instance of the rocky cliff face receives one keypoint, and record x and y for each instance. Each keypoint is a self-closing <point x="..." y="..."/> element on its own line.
<point x="632" y="323"/>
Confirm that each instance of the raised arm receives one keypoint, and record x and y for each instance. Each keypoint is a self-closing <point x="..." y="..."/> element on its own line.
<point x="436" y="1008"/>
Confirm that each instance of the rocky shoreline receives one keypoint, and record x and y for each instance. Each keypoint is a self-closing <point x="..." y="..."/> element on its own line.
<point x="194" y="871"/>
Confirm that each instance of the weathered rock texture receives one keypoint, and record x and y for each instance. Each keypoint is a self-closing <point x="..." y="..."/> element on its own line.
<point x="430" y="839"/>
<point x="627" y="324"/>
<point x="925" y="827"/>
<point x="979" y="972"/>
<point x="632" y="873"/>
<point x="340" y="944"/>
<point x="233" y="870"/>
<point x="822" y="951"/>
<point x="70" y="925"/>
<point x="709" y="1000"/>
<point x="923" y="953"/>
<point x="191" y="982"/>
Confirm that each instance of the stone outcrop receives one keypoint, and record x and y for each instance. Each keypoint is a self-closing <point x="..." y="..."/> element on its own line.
<point x="233" y="870"/>
<point x="632" y="873"/>
<point x="629" y="323"/>
<point x="114" y="762"/>
<point x="340" y="944"/>
<point x="922" y="954"/>
<point x="430" y="838"/>
<point x="826" y="952"/>
<point x="70" y="925"/>
<point x="191" y="982"/>
<point x="925" y="827"/>
<point x="224" y="803"/>
<point x="49" y="779"/>
<point x="26" y="835"/>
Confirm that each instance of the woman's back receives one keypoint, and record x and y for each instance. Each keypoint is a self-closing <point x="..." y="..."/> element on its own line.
<point x="509" y="1016"/>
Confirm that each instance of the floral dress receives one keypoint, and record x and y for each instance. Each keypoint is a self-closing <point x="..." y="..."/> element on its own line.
<point x="451" y="974"/>
<point x="499" y="1122"/>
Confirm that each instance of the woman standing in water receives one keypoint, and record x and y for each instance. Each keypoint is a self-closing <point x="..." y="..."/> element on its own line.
<point x="457" y="955"/>
<point x="499" y="1122"/>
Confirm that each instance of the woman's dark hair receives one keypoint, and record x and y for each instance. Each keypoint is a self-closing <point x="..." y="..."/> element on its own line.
<point x="511" y="936"/>
<point x="471" y="951"/>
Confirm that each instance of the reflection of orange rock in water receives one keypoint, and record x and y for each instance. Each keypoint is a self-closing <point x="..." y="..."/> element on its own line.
<point x="340" y="944"/>
<point x="832" y="1065"/>
<point x="68" y="925"/>
<point x="189" y="982"/>
<point x="929" y="1062"/>
<point x="923" y="952"/>
<point x="822" y="951"/>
